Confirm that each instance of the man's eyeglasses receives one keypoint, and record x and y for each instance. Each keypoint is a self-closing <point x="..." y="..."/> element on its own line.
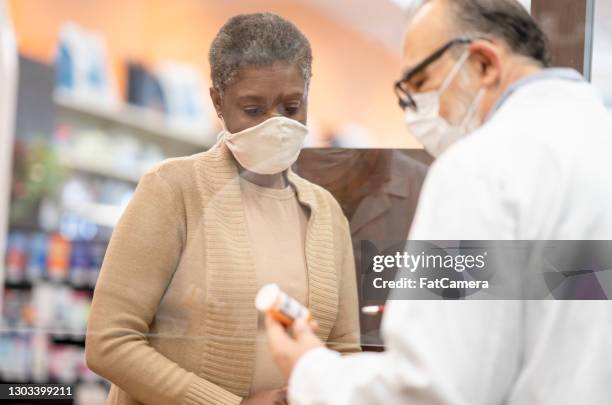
<point x="405" y="98"/>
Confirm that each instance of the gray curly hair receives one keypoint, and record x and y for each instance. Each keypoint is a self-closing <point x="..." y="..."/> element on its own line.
<point x="258" y="39"/>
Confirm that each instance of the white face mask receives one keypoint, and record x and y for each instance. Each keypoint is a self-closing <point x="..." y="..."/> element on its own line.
<point x="268" y="148"/>
<point x="433" y="131"/>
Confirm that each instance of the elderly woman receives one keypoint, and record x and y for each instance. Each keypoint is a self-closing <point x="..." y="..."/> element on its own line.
<point x="173" y="318"/>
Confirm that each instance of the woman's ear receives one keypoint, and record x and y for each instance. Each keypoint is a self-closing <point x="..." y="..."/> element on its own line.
<point x="216" y="99"/>
<point x="487" y="57"/>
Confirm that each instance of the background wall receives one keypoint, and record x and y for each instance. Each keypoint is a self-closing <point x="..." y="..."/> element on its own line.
<point x="353" y="73"/>
<point x="602" y="50"/>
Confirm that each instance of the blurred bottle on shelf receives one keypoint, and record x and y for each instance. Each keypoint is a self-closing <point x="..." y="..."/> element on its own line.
<point x="97" y="250"/>
<point x="144" y="89"/>
<point x="62" y="364"/>
<point x="82" y="65"/>
<point x="58" y="261"/>
<point x="37" y="261"/>
<point x="16" y="356"/>
<point x="37" y="256"/>
<point x="17" y="310"/>
<point x="177" y="90"/>
<point x="16" y="256"/>
<point x="79" y="264"/>
<point x="187" y="102"/>
<point x="116" y="154"/>
<point x="39" y="367"/>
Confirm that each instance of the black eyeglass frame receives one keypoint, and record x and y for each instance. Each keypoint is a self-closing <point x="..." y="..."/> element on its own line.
<point x="404" y="97"/>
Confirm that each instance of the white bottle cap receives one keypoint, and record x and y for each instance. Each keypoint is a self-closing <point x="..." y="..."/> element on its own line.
<point x="371" y="310"/>
<point x="266" y="297"/>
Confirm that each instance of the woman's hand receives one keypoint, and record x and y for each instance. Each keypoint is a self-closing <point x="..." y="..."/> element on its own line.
<point x="270" y="397"/>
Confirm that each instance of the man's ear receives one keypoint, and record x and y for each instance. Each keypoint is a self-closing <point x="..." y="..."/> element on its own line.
<point x="487" y="57"/>
<point x="216" y="99"/>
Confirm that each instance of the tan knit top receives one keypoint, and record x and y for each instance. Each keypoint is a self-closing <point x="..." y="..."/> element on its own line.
<point x="173" y="318"/>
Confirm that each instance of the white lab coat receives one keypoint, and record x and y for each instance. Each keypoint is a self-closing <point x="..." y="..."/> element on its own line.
<point x="540" y="168"/>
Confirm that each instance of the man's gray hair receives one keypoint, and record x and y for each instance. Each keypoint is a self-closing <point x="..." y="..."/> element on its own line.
<point x="507" y="20"/>
<point x="259" y="39"/>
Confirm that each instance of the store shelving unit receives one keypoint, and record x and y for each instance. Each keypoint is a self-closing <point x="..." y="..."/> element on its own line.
<point x="82" y="114"/>
<point x="8" y="78"/>
<point x="145" y="124"/>
<point x="129" y="116"/>
<point x="87" y="166"/>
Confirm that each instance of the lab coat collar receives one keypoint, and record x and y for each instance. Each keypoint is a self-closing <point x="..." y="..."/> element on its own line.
<point x="544" y="74"/>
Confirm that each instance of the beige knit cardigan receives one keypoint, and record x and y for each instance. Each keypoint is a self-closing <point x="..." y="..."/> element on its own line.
<point x="172" y="319"/>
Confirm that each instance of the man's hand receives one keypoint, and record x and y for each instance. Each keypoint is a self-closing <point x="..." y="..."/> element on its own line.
<point x="286" y="350"/>
<point x="269" y="397"/>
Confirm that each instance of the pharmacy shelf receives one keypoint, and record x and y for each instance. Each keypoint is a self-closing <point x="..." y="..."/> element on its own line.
<point x="99" y="169"/>
<point x="100" y="214"/>
<point x="71" y="338"/>
<point x="28" y="284"/>
<point x="60" y="336"/>
<point x="133" y="117"/>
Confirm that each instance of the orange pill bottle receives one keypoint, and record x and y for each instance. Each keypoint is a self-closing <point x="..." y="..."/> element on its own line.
<point x="273" y="301"/>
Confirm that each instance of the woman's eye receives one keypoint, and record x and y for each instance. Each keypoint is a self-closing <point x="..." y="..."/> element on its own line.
<point x="253" y="111"/>
<point x="292" y="109"/>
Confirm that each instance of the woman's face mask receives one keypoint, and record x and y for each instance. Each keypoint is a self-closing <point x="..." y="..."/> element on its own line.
<point x="432" y="130"/>
<point x="268" y="148"/>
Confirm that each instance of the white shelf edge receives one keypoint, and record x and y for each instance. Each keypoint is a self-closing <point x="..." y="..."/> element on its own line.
<point x="84" y="165"/>
<point x="136" y="118"/>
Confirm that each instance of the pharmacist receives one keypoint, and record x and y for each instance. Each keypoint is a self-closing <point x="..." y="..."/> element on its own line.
<point x="524" y="152"/>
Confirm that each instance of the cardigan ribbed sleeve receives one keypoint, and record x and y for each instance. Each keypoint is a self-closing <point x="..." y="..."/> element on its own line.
<point x="345" y="335"/>
<point x="138" y="267"/>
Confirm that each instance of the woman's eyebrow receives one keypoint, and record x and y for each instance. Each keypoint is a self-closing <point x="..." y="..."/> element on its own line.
<point x="296" y="94"/>
<point x="251" y="98"/>
<point x="293" y="95"/>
